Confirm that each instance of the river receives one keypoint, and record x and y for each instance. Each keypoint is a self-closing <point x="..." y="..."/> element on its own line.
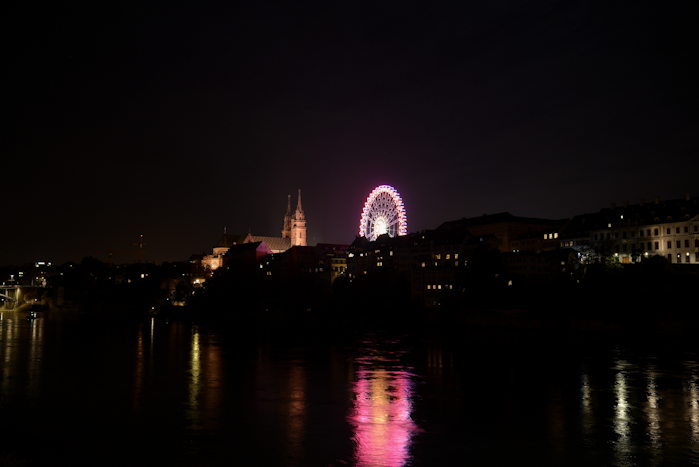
<point x="155" y="392"/>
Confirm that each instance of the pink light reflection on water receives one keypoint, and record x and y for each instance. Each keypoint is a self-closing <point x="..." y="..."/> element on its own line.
<point x="381" y="418"/>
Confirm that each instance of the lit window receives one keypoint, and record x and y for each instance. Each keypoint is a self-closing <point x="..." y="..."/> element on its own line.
<point x="456" y="256"/>
<point x="438" y="256"/>
<point x="555" y="235"/>
<point x="422" y="264"/>
<point x="545" y="236"/>
<point x="429" y="287"/>
<point x="439" y="286"/>
<point x="448" y="256"/>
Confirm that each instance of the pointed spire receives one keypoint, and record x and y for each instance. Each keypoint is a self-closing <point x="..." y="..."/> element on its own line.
<point x="298" y="203"/>
<point x="286" y="227"/>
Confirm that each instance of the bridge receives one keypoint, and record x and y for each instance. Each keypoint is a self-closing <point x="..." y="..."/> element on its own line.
<point x="10" y="295"/>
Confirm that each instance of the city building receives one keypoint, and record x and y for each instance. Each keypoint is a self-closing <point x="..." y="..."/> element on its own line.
<point x="633" y="232"/>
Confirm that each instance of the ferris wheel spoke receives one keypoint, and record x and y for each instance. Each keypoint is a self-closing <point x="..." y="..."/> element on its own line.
<point x="384" y="211"/>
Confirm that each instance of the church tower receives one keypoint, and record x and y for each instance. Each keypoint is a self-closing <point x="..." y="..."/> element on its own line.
<point x="298" y="225"/>
<point x="286" y="229"/>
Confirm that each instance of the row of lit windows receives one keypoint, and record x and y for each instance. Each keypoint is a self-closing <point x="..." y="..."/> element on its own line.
<point x="550" y="236"/>
<point x="655" y="231"/>
<point x="439" y="286"/>
<point x="446" y="256"/>
<point x="269" y="273"/>
<point x="351" y="255"/>
<point x="656" y="245"/>
<point x="668" y="231"/>
<point x="456" y="263"/>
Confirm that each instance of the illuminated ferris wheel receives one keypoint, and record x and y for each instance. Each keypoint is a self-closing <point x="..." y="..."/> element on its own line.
<point x="383" y="213"/>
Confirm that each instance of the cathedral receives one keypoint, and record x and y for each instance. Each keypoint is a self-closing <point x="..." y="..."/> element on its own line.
<point x="295" y="226"/>
<point x="293" y="234"/>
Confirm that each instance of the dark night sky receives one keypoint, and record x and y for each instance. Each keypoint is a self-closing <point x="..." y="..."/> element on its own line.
<point x="175" y="121"/>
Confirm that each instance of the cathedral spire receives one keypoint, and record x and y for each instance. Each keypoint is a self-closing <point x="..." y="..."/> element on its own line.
<point x="298" y="225"/>
<point x="286" y="228"/>
<point x="299" y="209"/>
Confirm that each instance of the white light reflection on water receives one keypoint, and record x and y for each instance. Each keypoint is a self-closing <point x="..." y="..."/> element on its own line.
<point x="693" y="409"/>
<point x="622" y="416"/>
<point x="653" y="415"/>
<point x="36" y="346"/>
<point x="152" y="337"/>
<point x="381" y="413"/>
<point x="8" y="325"/>
<point x="586" y="403"/>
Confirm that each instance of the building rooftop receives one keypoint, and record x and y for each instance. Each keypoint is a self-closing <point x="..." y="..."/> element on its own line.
<point x="274" y="243"/>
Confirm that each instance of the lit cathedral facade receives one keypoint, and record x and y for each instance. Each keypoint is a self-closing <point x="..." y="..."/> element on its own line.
<point x="293" y="234"/>
<point x="295" y="225"/>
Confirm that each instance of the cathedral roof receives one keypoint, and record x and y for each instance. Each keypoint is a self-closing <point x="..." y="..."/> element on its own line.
<point x="228" y="240"/>
<point x="276" y="244"/>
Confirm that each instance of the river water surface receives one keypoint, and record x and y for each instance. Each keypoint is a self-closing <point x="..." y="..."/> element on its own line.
<point x="88" y="392"/>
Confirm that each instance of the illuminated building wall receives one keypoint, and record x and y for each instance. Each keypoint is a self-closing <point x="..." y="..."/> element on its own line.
<point x="631" y="233"/>
<point x="678" y="242"/>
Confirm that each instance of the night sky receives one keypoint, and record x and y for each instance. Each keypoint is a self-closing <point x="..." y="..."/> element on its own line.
<point x="173" y="122"/>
